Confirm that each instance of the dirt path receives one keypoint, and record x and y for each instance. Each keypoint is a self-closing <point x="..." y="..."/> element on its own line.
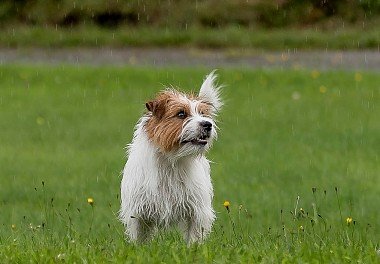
<point x="323" y="60"/>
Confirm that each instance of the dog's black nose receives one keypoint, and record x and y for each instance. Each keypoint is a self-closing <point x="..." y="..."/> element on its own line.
<point x="206" y="125"/>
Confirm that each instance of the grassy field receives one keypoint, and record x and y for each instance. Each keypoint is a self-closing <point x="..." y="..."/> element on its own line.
<point x="284" y="134"/>
<point x="352" y="38"/>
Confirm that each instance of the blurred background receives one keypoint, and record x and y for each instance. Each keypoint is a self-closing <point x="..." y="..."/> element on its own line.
<point x="238" y="24"/>
<point x="182" y="14"/>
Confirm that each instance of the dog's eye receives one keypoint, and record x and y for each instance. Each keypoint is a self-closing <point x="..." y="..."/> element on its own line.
<point x="204" y="112"/>
<point x="181" y="114"/>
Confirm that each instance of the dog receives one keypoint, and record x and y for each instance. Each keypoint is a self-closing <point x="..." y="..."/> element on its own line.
<point x="166" y="179"/>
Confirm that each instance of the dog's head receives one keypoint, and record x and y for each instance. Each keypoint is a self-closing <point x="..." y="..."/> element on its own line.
<point x="184" y="124"/>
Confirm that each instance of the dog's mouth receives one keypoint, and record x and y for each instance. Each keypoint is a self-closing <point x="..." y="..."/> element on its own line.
<point x="201" y="140"/>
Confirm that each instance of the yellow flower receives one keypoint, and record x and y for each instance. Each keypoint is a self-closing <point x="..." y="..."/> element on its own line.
<point x="301" y="228"/>
<point x="358" y="76"/>
<point x="349" y="221"/>
<point x="227" y="205"/>
<point x="40" y="120"/>
<point x="13" y="226"/>
<point x="90" y="201"/>
<point x="322" y="89"/>
<point x="315" y="74"/>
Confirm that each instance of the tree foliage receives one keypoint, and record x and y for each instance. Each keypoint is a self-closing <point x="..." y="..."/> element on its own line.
<point x="182" y="13"/>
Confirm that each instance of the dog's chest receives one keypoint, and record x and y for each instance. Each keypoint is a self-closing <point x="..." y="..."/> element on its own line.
<point x="176" y="187"/>
<point x="179" y="191"/>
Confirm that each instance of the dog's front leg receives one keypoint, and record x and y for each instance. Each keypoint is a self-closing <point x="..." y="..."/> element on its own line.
<point x="197" y="228"/>
<point x="139" y="230"/>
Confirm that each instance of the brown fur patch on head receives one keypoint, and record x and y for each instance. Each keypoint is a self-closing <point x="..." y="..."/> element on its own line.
<point x="165" y="125"/>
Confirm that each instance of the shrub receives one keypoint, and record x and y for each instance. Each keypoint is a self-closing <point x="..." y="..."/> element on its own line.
<point x="182" y="13"/>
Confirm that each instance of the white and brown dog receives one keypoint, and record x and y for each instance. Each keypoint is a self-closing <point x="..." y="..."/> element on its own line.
<point x="166" y="180"/>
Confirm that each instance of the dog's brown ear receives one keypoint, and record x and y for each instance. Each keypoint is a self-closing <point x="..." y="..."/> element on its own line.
<point x="156" y="107"/>
<point x="150" y="106"/>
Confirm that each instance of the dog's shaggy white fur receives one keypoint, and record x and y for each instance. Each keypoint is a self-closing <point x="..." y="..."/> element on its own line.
<point x="166" y="180"/>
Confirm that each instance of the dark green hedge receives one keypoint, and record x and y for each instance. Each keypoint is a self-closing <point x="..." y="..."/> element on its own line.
<point x="182" y="13"/>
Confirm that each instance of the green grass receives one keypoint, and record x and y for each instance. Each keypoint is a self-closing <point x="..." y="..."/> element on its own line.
<point x="62" y="134"/>
<point x="230" y="37"/>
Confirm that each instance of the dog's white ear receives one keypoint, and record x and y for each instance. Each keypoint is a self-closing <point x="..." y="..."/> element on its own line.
<point x="210" y="92"/>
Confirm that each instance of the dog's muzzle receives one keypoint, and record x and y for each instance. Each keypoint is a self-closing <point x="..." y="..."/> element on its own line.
<point x="204" y="135"/>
